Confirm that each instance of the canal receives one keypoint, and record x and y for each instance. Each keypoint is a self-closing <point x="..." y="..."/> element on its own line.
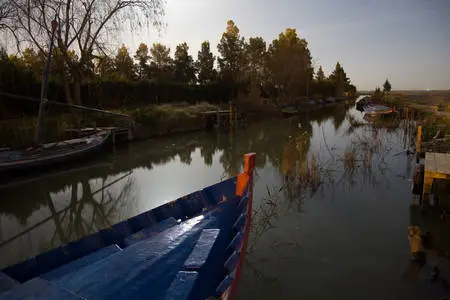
<point x="331" y="207"/>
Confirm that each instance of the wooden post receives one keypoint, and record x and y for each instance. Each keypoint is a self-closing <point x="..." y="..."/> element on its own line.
<point x="427" y="183"/>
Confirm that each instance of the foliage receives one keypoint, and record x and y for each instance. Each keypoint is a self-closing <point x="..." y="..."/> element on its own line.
<point x="149" y="120"/>
<point x="320" y="76"/>
<point x="377" y="94"/>
<point x="105" y="67"/>
<point x="82" y="25"/>
<point x="282" y="71"/>
<point x="341" y="81"/>
<point x="441" y="106"/>
<point x="289" y="64"/>
<point x="256" y="55"/>
<point x="387" y="86"/>
<point x="161" y="62"/>
<point x="142" y="56"/>
<point x="205" y="64"/>
<point x="184" y="70"/>
<point x="232" y="55"/>
<point x="124" y="64"/>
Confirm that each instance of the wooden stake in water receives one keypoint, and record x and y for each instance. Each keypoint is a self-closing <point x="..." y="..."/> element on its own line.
<point x="44" y="87"/>
<point x="419" y="139"/>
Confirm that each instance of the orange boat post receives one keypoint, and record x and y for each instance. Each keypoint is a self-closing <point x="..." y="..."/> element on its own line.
<point x="244" y="180"/>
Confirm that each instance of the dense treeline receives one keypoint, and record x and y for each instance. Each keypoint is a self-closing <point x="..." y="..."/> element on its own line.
<point x="281" y="71"/>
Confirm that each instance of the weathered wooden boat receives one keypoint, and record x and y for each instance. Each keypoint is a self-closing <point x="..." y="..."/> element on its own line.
<point x="377" y="109"/>
<point x="191" y="248"/>
<point x="51" y="154"/>
<point x="289" y="110"/>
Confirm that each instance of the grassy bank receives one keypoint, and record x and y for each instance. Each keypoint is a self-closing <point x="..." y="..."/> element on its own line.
<point x="148" y="121"/>
<point x="430" y="101"/>
<point x="433" y="108"/>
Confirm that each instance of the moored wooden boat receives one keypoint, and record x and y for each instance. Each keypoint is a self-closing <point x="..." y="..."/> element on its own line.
<point x="190" y="248"/>
<point x="377" y="109"/>
<point x="289" y="110"/>
<point x="51" y="154"/>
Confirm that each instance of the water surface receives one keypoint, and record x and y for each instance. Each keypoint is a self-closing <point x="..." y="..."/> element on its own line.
<point x="331" y="206"/>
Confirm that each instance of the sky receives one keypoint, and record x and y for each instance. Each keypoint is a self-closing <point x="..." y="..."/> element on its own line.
<point x="406" y="41"/>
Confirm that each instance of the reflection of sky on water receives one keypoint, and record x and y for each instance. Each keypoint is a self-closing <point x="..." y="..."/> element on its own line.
<point x="174" y="179"/>
<point x="304" y="244"/>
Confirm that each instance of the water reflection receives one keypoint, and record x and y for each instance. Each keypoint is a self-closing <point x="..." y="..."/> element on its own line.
<point x="60" y="216"/>
<point x="298" y="159"/>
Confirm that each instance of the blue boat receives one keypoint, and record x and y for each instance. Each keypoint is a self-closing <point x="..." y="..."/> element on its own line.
<point x="190" y="248"/>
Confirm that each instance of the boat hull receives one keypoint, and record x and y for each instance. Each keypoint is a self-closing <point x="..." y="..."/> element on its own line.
<point x="51" y="154"/>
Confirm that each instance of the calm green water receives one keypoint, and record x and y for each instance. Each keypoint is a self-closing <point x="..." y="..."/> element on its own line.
<point x="324" y="227"/>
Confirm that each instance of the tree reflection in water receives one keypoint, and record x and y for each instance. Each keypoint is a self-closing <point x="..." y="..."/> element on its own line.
<point x="85" y="213"/>
<point x="84" y="202"/>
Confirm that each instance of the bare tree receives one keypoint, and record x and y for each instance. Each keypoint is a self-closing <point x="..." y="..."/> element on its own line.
<point x="6" y="15"/>
<point x="84" y="27"/>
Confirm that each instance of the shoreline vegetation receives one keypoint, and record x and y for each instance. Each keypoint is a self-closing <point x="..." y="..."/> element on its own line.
<point x="431" y="109"/>
<point x="251" y="75"/>
<point x="150" y="121"/>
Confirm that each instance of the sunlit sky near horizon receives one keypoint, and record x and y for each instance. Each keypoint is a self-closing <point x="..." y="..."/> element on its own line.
<point x="407" y="41"/>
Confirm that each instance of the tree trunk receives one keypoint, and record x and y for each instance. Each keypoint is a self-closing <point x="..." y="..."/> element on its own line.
<point x="77" y="91"/>
<point x="67" y="92"/>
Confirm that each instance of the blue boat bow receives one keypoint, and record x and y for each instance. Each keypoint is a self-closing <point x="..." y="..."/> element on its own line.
<point x="190" y="248"/>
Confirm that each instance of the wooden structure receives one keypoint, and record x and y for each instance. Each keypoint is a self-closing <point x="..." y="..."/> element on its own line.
<point x="223" y="118"/>
<point x="437" y="166"/>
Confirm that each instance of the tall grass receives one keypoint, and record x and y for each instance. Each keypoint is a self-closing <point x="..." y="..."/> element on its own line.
<point x="148" y="121"/>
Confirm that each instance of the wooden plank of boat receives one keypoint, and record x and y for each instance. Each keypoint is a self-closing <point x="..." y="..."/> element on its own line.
<point x="51" y="153"/>
<point x="199" y="256"/>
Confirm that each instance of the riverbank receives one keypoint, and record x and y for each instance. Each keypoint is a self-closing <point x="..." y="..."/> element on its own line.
<point x="145" y="122"/>
<point x="437" y="102"/>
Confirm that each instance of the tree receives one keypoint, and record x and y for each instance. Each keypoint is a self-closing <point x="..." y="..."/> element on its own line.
<point x="33" y="62"/>
<point x="84" y="25"/>
<point x="124" y="64"/>
<point x="105" y="67"/>
<point x="255" y="52"/>
<point x="142" y="57"/>
<point x="231" y="49"/>
<point x="6" y="11"/>
<point x="289" y="63"/>
<point x="184" y="70"/>
<point x="161" y="62"/>
<point x="340" y="80"/>
<point x="387" y="86"/>
<point x="320" y="76"/>
<point x="160" y="55"/>
<point x="377" y="95"/>
<point x="205" y="64"/>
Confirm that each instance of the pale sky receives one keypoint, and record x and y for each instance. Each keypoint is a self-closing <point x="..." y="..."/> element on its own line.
<point x="407" y="41"/>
